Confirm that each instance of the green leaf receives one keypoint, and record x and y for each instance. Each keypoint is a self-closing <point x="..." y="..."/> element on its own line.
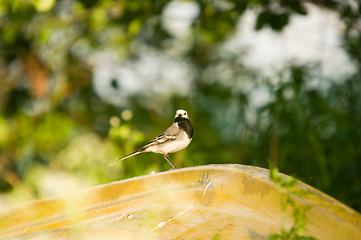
<point x="279" y="21"/>
<point x="43" y="5"/>
<point x="262" y="19"/>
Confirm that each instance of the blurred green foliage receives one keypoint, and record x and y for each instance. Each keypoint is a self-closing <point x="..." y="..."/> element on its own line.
<point x="287" y="189"/>
<point x="58" y="134"/>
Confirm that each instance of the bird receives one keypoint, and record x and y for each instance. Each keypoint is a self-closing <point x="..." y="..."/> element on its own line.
<point x="173" y="139"/>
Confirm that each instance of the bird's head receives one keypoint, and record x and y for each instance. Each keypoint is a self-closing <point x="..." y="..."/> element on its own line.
<point x="181" y="113"/>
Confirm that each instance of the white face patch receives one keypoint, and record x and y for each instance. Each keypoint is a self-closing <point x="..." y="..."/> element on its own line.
<point x="181" y="113"/>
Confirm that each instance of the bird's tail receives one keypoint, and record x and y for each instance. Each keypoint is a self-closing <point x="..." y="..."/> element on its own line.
<point x="130" y="155"/>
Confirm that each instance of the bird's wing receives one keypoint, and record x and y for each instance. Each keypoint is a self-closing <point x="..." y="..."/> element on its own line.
<point x="171" y="134"/>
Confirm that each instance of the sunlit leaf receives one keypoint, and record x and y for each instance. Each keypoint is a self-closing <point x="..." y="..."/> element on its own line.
<point x="43" y="5"/>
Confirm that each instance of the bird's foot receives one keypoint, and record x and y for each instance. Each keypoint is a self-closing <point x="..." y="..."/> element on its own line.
<point x="166" y="156"/>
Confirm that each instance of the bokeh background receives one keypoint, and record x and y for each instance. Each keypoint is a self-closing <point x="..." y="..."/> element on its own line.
<point x="84" y="82"/>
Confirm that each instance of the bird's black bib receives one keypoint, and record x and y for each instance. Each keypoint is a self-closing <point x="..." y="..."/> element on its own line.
<point x="185" y="125"/>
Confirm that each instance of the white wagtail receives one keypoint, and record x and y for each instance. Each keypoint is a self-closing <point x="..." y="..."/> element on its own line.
<point x="175" y="138"/>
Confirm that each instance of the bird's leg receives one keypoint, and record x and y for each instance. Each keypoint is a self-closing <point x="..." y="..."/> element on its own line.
<point x="166" y="156"/>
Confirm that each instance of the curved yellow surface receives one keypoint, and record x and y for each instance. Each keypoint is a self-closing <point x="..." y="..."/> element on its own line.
<point x="206" y="202"/>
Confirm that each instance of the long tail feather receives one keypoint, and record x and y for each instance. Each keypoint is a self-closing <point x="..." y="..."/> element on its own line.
<point x="130" y="155"/>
